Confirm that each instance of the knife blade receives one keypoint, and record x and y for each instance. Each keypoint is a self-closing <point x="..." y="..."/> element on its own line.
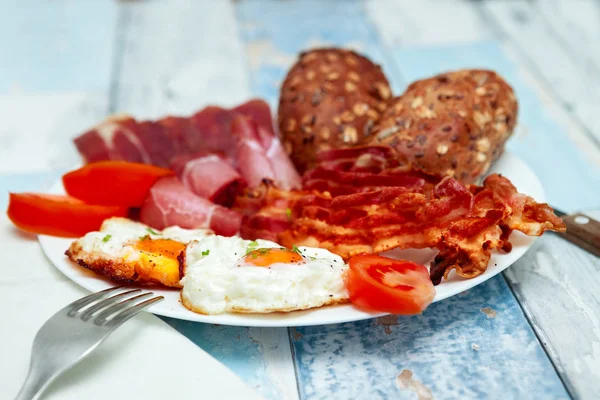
<point x="582" y="230"/>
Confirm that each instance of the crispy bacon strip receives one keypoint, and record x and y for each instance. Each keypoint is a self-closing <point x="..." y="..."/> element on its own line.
<point x="373" y="204"/>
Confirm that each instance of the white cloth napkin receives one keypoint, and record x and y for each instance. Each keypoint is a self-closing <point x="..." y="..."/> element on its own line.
<point x="143" y="359"/>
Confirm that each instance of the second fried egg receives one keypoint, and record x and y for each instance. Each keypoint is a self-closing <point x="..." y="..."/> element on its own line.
<point x="230" y="274"/>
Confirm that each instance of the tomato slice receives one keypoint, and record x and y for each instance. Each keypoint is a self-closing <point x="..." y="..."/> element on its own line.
<point x="113" y="183"/>
<point x="382" y="284"/>
<point x="56" y="215"/>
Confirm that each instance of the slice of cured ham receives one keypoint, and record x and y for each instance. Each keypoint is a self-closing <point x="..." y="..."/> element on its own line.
<point x="121" y="137"/>
<point x="285" y="174"/>
<point x="260" y="155"/>
<point x="209" y="130"/>
<point x="170" y="203"/>
<point x="209" y="175"/>
<point x="251" y="156"/>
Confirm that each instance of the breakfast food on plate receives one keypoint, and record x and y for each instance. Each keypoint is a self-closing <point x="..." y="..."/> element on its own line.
<point x="452" y="124"/>
<point x="209" y="130"/>
<point x="210" y="176"/>
<point x="260" y="155"/>
<point x="378" y="174"/>
<point x="382" y="284"/>
<point x="113" y="183"/>
<point x="131" y="252"/>
<point x="170" y="203"/>
<point x="330" y="98"/>
<point x="56" y="215"/>
<point x="366" y="203"/>
<point x="235" y="275"/>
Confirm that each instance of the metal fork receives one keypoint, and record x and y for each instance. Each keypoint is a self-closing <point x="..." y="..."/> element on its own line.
<point x="75" y="331"/>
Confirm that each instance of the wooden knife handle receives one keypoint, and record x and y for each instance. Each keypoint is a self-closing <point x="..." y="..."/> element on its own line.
<point x="583" y="231"/>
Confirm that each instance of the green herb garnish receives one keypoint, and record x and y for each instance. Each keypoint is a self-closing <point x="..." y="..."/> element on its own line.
<point x="145" y="237"/>
<point x="206" y="252"/>
<point x="106" y="238"/>
<point x="295" y="249"/>
<point x="251" y="247"/>
<point x="152" y="231"/>
<point x="288" y="213"/>
<point x="258" y="252"/>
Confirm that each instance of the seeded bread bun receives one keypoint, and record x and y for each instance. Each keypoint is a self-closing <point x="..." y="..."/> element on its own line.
<point x="331" y="98"/>
<point x="452" y="124"/>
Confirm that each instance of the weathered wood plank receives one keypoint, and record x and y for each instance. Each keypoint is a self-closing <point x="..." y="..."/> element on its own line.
<point x="36" y="129"/>
<point x="272" y="46"/>
<point x="534" y="147"/>
<point x="58" y="46"/>
<point x="334" y="361"/>
<point x="55" y="79"/>
<point x="575" y="85"/>
<point x="538" y="140"/>
<point x="177" y="57"/>
<point x="475" y="345"/>
<point x="574" y="157"/>
<point x="400" y="23"/>
<point x="576" y="25"/>
<point x="557" y="285"/>
<point x="403" y="23"/>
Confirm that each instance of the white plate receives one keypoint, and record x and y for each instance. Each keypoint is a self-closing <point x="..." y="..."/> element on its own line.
<point x="508" y="165"/>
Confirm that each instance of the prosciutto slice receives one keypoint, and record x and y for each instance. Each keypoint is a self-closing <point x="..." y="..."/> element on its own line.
<point x="170" y="203"/>
<point x="237" y="133"/>
<point x="209" y="175"/>
<point x="260" y="155"/>
<point x="285" y="174"/>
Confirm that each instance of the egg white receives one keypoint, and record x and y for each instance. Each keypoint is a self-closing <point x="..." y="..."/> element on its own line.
<point x="114" y="252"/>
<point x="117" y="234"/>
<point x="218" y="280"/>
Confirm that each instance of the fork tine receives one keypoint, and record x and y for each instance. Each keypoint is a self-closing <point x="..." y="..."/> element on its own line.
<point x="87" y="314"/>
<point x="84" y="301"/>
<point x="112" y="310"/>
<point x="132" y="311"/>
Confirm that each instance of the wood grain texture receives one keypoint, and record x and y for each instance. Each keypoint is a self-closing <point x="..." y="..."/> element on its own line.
<point x="56" y="46"/>
<point x="363" y="360"/>
<point x="43" y="142"/>
<point x="399" y="24"/>
<point x="175" y="58"/>
<point x="576" y="26"/>
<point x="584" y="231"/>
<point x="569" y="179"/>
<point x="272" y="47"/>
<point x="408" y="23"/>
<point x="557" y="286"/>
<point x="475" y="345"/>
<point x="578" y="87"/>
<point x="560" y="154"/>
<point x="55" y="80"/>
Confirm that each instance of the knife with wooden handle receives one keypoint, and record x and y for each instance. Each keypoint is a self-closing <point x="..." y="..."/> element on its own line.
<point x="582" y="230"/>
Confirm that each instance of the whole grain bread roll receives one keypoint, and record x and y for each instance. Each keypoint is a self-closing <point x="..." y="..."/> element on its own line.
<point x="330" y="98"/>
<point x="452" y="124"/>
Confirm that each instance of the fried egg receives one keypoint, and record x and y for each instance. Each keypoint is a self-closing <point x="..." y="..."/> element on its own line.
<point x="131" y="252"/>
<point x="229" y="274"/>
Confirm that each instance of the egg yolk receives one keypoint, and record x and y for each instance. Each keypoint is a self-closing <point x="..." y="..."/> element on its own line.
<point x="158" y="259"/>
<point x="163" y="247"/>
<point x="266" y="257"/>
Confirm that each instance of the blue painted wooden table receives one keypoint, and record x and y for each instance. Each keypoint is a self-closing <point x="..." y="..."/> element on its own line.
<point x="532" y="332"/>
